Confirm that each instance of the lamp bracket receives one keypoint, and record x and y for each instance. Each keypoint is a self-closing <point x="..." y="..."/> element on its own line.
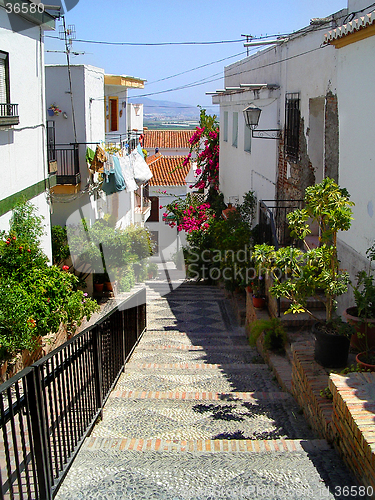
<point x="266" y="134"/>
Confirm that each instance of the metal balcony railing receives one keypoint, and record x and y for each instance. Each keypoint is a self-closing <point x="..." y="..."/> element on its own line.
<point x="67" y="158"/>
<point x="9" y="114"/>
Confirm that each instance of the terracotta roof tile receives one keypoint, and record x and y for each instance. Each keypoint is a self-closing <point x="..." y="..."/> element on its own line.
<point x="175" y="139"/>
<point x="167" y="170"/>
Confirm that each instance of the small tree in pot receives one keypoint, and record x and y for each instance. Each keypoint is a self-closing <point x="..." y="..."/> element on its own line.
<point x="299" y="275"/>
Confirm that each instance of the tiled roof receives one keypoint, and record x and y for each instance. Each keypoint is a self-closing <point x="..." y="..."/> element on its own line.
<point x="175" y="139"/>
<point x="351" y="27"/>
<point x="167" y="170"/>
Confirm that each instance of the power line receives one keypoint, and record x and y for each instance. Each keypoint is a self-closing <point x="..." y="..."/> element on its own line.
<point x="151" y="44"/>
<point x="198" y="83"/>
<point x="194" y="69"/>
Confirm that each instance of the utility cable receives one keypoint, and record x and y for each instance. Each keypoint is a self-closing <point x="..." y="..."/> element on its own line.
<point x="150" y="44"/>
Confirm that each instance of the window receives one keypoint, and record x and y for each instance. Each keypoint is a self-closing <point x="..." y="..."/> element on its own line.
<point x="154" y="215"/>
<point x="4" y="78"/>
<point x="225" y="135"/>
<point x="292" y="121"/>
<point x="235" y="130"/>
<point x="8" y="111"/>
<point x="247" y="139"/>
<point x="113" y="114"/>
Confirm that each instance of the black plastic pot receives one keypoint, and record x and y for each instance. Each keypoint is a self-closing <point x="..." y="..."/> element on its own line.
<point x="331" y="351"/>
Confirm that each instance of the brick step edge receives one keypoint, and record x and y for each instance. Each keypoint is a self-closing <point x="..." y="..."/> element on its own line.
<point x="201" y="396"/>
<point x="206" y="445"/>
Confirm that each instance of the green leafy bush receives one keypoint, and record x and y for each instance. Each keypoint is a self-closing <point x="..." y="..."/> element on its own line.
<point x="36" y="298"/>
<point x="275" y="337"/>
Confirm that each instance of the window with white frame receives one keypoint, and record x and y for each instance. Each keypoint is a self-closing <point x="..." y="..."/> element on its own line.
<point x="235" y="129"/>
<point x="225" y="133"/>
<point x="247" y="139"/>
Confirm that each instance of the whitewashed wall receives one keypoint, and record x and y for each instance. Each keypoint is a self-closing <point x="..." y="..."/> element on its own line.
<point x="23" y="147"/>
<point x="170" y="241"/>
<point x="356" y="98"/>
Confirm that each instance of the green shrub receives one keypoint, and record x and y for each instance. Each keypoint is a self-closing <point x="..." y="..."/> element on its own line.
<point x="274" y="334"/>
<point x="36" y="298"/>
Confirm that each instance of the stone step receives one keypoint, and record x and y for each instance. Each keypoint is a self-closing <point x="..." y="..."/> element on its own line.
<point x="118" y="469"/>
<point x="172" y="354"/>
<point x="186" y="419"/>
<point x="245" y="378"/>
<point x="301" y="319"/>
<point x="313" y="303"/>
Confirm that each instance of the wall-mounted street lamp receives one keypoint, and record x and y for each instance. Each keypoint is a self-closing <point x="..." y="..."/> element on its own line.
<point x="252" y="115"/>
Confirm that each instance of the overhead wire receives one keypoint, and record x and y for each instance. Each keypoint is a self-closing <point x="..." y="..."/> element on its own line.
<point x="149" y="44"/>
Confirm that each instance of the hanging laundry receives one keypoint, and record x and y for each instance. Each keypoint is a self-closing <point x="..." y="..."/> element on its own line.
<point x="90" y="155"/>
<point x="114" y="180"/>
<point x="100" y="158"/>
<point x="141" y="170"/>
<point x="139" y="149"/>
<point x="127" y="172"/>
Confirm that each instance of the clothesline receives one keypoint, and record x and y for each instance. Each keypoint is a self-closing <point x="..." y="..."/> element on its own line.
<point x="121" y="170"/>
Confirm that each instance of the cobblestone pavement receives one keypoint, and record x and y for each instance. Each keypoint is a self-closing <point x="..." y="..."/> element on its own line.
<point x="196" y="416"/>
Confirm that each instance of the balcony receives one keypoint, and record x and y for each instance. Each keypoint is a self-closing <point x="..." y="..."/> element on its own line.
<point x="65" y="159"/>
<point x="142" y="208"/>
<point x="9" y="115"/>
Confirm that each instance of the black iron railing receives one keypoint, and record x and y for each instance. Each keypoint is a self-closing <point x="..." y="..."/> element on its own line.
<point x="273" y="222"/>
<point x="67" y="158"/>
<point x="47" y="410"/>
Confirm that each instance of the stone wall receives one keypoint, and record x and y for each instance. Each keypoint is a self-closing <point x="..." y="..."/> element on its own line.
<point x="308" y="379"/>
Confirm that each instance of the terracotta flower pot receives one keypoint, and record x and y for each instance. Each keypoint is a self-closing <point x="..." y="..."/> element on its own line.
<point x="363" y="363"/>
<point x="98" y="287"/>
<point x="109" y="285"/>
<point x="259" y="302"/>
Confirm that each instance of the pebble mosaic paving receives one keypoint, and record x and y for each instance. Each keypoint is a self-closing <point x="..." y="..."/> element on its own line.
<point x="196" y="416"/>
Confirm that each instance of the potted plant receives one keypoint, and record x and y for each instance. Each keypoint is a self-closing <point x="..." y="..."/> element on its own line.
<point x="152" y="270"/>
<point x="98" y="283"/>
<point x="362" y="315"/>
<point x="259" y="297"/>
<point x="275" y="337"/>
<point x="315" y="272"/>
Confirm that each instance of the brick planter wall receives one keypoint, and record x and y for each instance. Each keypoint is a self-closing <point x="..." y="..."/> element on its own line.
<point x="308" y="378"/>
<point x="353" y="423"/>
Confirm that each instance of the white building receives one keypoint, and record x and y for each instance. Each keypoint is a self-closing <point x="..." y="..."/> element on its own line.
<point x="167" y="184"/>
<point x="79" y="124"/>
<point x="354" y="45"/>
<point x="23" y="148"/>
<point x="123" y="120"/>
<point x="317" y="98"/>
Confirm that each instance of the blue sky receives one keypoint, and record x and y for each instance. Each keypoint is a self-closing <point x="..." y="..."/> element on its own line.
<point x="151" y="21"/>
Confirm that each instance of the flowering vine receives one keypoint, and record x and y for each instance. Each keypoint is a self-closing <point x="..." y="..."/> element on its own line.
<point x="189" y="215"/>
<point x="205" y="144"/>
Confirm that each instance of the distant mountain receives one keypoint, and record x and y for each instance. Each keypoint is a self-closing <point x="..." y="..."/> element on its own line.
<point x="155" y="109"/>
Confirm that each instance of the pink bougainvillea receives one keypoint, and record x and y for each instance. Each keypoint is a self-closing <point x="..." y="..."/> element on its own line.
<point x="205" y="144"/>
<point x="189" y="216"/>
